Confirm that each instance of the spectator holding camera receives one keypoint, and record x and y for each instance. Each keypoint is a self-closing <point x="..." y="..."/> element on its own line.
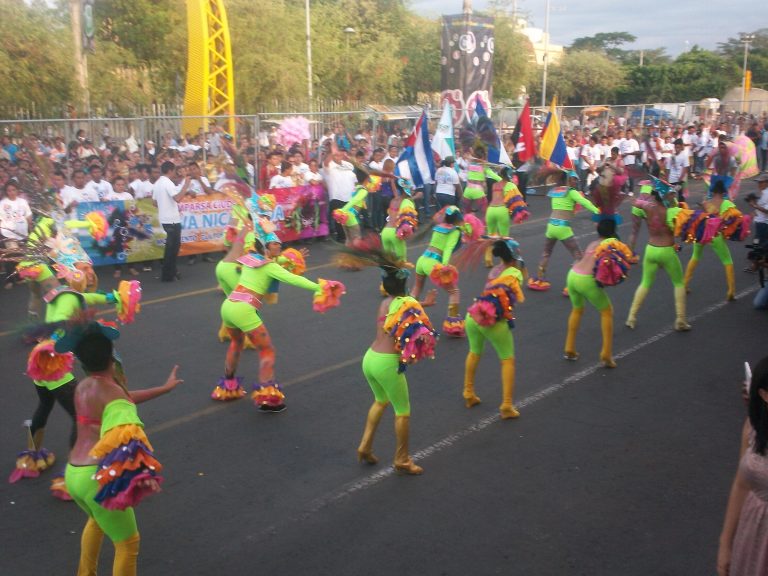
<point x="759" y="202"/>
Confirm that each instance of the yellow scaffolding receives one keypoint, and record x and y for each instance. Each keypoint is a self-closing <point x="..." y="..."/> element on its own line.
<point x="210" y="89"/>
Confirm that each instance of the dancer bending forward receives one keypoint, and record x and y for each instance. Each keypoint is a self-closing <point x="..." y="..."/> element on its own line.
<point x="491" y="318"/>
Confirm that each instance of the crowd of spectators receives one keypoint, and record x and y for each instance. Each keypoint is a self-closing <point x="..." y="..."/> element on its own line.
<point x="120" y="169"/>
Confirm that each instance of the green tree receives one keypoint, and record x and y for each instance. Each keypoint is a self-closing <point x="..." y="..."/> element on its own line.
<point x="733" y="50"/>
<point x="606" y="42"/>
<point x="35" y="57"/>
<point x="701" y="74"/>
<point x="514" y="63"/>
<point x="585" y="77"/>
<point x="420" y="55"/>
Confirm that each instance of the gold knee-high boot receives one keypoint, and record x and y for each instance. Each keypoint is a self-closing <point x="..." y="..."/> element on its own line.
<point x="606" y="326"/>
<point x="403" y="462"/>
<point x="689" y="270"/>
<point x="126" y="556"/>
<point x="365" y="450"/>
<point x="90" y="548"/>
<point x="730" y="281"/>
<point x="574" y="321"/>
<point x="507" y="409"/>
<point x="470" y="368"/>
<point x="223" y="333"/>
<point x="637" y="301"/>
<point x="489" y="257"/>
<point x="681" y="325"/>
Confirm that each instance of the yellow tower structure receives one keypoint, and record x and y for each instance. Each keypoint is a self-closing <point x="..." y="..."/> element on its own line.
<point x="210" y="89"/>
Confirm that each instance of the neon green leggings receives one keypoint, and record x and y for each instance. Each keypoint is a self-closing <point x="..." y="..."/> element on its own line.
<point x="424" y="265"/>
<point x="380" y="370"/>
<point x="118" y="525"/>
<point x="583" y="287"/>
<point x="392" y="244"/>
<point x="720" y="246"/>
<point x="227" y="275"/>
<point x="497" y="221"/>
<point x="666" y="257"/>
<point x="499" y="335"/>
<point x="558" y="232"/>
<point x="240" y="315"/>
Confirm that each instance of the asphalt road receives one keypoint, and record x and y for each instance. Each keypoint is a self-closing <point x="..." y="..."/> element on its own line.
<point x="606" y="472"/>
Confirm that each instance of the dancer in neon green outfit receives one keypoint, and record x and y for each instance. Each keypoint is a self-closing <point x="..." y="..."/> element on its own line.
<point x="584" y="287"/>
<point x="491" y="319"/>
<point x="660" y="213"/>
<point x="402" y="221"/>
<point x="564" y="199"/>
<point x="106" y="410"/>
<point x="446" y="237"/>
<point x="506" y="203"/>
<point x="720" y="205"/>
<point x="400" y="320"/>
<point x="475" y="192"/>
<point x="240" y="313"/>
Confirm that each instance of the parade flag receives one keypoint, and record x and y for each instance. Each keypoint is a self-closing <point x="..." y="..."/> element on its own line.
<point x="552" y="141"/>
<point x="522" y="136"/>
<point x="416" y="162"/>
<point x="497" y="154"/>
<point x="442" y="143"/>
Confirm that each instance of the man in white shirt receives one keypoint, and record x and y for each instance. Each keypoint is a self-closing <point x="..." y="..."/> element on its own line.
<point x="73" y="195"/>
<point x="341" y="181"/>
<point x="199" y="185"/>
<point x="629" y="149"/>
<point x="98" y="188"/>
<point x="120" y="190"/>
<point x="589" y="157"/>
<point x="759" y="202"/>
<point x="677" y="169"/>
<point x="284" y="179"/>
<point x="299" y="168"/>
<point x="166" y="195"/>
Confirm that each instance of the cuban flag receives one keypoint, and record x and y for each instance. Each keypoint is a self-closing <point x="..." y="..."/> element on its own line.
<point x="416" y="162"/>
<point x="497" y="154"/>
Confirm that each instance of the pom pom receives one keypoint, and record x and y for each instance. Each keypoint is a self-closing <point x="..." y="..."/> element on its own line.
<point x="32" y="272"/>
<point x="613" y="260"/>
<point x="44" y="363"/>
<point x="128" y="296"/>
<point x="691" y="226"/>
<point x="228" y="389"/>
<point x="293" y="261"/>
<point x="518" y="209"/>
<point x="473" y="227"/>
<point x="98" y="225"/>
<point x="483" y="312"/>
<point x="734" y="226"/>
<point x="30" y="463"/>
<point x="329" y="295"/>
<point x="407" y="223"/>
<point x="267" y="394"/>
<point x="453" y="326"/>
<point x="293" y="130"/>
<point x="414" y="336"/>
<point x="341" y="216"/>
<point x="444" y="276"/>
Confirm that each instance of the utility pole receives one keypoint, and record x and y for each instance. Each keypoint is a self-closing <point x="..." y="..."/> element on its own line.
<point x="467" y="9"/>
<point x="81" y="59"/>
<point x="309" y="58"/>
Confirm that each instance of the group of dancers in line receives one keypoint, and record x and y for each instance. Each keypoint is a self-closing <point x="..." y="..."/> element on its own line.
<point x="112" y="465"/>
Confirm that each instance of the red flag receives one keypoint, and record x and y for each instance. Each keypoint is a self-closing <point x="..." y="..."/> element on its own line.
<point x="522" y="136"/>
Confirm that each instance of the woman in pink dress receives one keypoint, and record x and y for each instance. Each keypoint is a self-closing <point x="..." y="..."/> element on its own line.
<point x="743" y="547"/>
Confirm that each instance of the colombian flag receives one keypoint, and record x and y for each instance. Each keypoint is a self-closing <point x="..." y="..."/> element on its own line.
<point x="552" y="143"/>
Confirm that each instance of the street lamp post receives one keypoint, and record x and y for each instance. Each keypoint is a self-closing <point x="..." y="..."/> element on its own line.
<point x="348" y="31"/>
<point x="546" y="57"/>
<point x="746" y="39"/>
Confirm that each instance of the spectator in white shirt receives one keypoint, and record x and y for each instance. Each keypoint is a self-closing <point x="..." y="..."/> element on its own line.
<point x="588" y="161"/>
<point x="299" y="168"/>
<point x="677" y="169"/>
<point x="141" y="186"/>
<point x="448" y="185"/>
<point x="341" y="181"/>
<point x="229" y="176"/>
<point x="199" y="185"/>
<point x="312" y="175"/>
<point x="97" y="187"/>
<point x="120" y="190"/>
<point x="166" y="195"/>
<point x="629" y="150"/>
<point x="284" y="179"/>
<point x="15" y="220"/>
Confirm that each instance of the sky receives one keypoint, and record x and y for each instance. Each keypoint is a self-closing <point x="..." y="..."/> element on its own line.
<point x="676" y="25"/>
